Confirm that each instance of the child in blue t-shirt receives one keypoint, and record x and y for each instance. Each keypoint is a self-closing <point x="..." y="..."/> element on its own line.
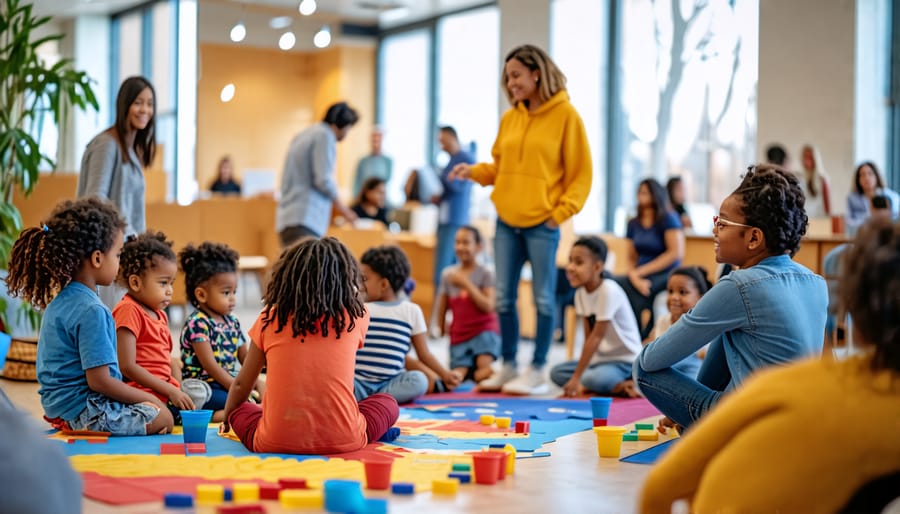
<point x="75" y="251"/>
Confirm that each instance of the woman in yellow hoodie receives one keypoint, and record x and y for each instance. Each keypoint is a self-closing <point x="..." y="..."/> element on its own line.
<point x="541" y="173"/>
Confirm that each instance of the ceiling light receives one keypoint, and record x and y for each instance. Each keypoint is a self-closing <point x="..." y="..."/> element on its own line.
<point x="307" y="7"/>
<point x="280" y="22"/>
<point x="227" y="93"/>
<point x="322" y="37"/>
<point x="286" y="41"/>
<point x="238" y="32"/>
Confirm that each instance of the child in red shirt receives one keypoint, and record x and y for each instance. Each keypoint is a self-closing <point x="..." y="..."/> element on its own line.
<point x="313" y="322"/>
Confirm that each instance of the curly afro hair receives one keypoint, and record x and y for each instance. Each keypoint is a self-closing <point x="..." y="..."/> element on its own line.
<point x="773" y="202"/>
<point x="201" y="263"/>
<point x="44" y="259"/>
<point x="139" y="253"/>
<point x="869" y="289"/>
<point x="390" y="262"/>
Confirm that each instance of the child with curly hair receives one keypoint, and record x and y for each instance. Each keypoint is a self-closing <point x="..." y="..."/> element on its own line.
<point x="394" y="326"/>
<point x="57" y="268"/>
<point x="770" y="311"/>
<point x="147" y="270"/>
<point x="212" y="342"/>
<point x="312" y="323"/>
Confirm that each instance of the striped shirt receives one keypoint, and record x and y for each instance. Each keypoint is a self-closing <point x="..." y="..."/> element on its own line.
<point x="391" y="328"/>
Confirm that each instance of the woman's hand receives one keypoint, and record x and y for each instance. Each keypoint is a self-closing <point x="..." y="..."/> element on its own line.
<point x="461" y="171"/>
<point x="572" y="387"/>
<point x="641" y="284"/>
<point x="551" y="224"/>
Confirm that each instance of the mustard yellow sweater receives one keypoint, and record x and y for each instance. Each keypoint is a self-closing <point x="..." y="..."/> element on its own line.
<point x="799" y="438"/>
<point x="542" y="164"/>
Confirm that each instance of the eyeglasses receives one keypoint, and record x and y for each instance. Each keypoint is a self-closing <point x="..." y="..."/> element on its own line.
<point x="721" y="223"/>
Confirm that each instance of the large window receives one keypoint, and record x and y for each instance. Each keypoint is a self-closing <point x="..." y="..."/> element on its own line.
<point x="404" y="87"/>
<point x="872" y="85"/>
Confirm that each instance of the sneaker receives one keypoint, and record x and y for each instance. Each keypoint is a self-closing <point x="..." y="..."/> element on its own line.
<point x="528" y="383"/>
<point x="496" y="381"/>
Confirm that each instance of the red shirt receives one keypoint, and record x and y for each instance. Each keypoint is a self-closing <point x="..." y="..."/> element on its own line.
<point x="309" y="407"/>
<point x="153" y="345"/>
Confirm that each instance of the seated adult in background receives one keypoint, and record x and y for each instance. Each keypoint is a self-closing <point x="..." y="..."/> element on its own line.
<point x="376" y="164"/>
<point x="777" y="155"/>
<point x="657" y="248"/>
<point x="845" y="413"/>
<point x="224" y="182"/>
<point x="675" y="188"/>
<point x="371" y="200"/>
<point x="814" y="183"/>
<point x="770" y="311"/>
<point x="868" y="185"/>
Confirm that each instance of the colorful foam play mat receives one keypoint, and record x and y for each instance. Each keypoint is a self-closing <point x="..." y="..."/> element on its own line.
<point x="437" y="434"/>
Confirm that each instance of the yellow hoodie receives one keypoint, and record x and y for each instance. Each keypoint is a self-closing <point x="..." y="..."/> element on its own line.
<point x="542" y="164"/>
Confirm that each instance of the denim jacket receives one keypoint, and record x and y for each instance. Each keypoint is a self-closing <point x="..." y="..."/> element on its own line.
<point x="770" y="313"/>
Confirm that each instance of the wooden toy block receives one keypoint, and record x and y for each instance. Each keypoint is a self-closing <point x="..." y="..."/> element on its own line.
<point x="644" y="426"/>
<point x="241" y="509"/>
<point x="210" y="494"/>
<point x="195" y="447"/>
<point x="503" y="422"/>
<point x="292" y="483"/>
<point x="445" y="486"/>
<point x="171" y="449"/>
<point x="403" y="488"/>
<point x="600" y="422"/>
<point x="487" y="419"/>
<point x="648" y="435"/>
<point x="523" y="427"/>
<point x="269" y="491"/>
<point x="464" y="478"/>
<point x="245" y="492"/>
<point x="301" y="498"/>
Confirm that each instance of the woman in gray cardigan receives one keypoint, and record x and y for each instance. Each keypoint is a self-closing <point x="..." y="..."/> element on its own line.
<point x="114" y="161"/>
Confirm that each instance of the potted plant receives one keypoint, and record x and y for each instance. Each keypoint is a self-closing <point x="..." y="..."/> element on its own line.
<point x="32" y="92"/>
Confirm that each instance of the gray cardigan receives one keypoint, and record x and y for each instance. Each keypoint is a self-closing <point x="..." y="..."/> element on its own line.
<point x="106" y="174"/>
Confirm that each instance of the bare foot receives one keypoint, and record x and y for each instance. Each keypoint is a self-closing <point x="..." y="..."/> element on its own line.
<point x="627" y="388"/>
<point x="482" y="374"/>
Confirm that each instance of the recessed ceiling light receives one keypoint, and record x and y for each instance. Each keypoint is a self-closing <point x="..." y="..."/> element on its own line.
<point x="280" y="22"/>
<point x="307" y="7"/>
<point x="286" y="41"/>
<point x="238" y="32"/>
<point x="322" y="37"/>
<point x="227" y="93"/>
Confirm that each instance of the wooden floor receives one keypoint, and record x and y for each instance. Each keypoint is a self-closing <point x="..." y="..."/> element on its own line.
<point x="572" y="480"/>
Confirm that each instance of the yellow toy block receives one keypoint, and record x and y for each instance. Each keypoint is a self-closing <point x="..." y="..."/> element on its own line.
<point x="445" y="486"/>
<point x="244" y="492"/>
<point x="648" y="435"/>
<point x="487" y="419"/>
<point x="511" y="460"/>
<point x="302" y="499"/>
<point x="503" y="422"/>
<point x="210" y="494"/>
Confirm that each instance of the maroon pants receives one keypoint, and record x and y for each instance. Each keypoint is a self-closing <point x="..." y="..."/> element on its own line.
<point x="380" y="410"/>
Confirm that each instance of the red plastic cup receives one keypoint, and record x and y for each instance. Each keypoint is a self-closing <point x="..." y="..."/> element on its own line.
<point x="378" y="473"/>
<point x="487" y="467"/>
<point x="501" y="474"/>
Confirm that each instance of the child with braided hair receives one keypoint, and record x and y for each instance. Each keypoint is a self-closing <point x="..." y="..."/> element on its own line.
<point x="312" y="323"/>
<point x="57" y="268"/>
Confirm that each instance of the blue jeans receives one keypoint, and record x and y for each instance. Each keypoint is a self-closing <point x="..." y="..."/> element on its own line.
<point x="404" y="387"/>
<point x="680" y="397"/>
<point x="444" y="254"/>
<point x="599" y="378"/>
<point x="512" y="247"/>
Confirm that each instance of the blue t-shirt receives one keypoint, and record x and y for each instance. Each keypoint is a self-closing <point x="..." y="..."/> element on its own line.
<point x="454" y="207"/>
<point x="77" y="333"/>
<point x="650" y="242"/>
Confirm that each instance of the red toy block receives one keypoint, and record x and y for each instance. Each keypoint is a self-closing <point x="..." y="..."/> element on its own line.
<point x="269" y="491"/>
<point x="196" y="447"/>
<point x="292" y="483"/>
<point x="523" y="427"/>
<point x="71" y="441"/>
<point x="599" y="422"/>
<point x="98" y="441"/>
<point x="241" y="509"/>
<point x="171" y="449"/>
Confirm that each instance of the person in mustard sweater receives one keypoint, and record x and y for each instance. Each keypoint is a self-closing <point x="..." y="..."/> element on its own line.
<point x="809" y="436"/>
<point x="541" y="173"/>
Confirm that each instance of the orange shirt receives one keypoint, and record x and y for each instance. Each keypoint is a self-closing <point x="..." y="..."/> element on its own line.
<point x="309" y="407"/>
<point x="153" y="345"/>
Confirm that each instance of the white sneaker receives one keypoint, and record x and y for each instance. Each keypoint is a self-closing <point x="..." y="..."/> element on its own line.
<point x="530" y="382"/>
<point x="496" y="381"/>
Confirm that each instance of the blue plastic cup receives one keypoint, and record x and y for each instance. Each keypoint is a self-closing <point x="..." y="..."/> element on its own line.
<point x="195" y="424"/>
<point x="600" y="407"/>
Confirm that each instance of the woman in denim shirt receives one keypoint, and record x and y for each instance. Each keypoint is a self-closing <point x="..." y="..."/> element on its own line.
<point x="770" y="311"/>
<point x="867" y="185"/>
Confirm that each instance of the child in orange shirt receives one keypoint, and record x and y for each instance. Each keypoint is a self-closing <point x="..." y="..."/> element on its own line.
<point x="313" y="322"/>
<point x="143" y="341"/>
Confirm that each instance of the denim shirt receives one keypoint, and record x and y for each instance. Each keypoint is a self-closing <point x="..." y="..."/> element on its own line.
<point x="770" y="313"/>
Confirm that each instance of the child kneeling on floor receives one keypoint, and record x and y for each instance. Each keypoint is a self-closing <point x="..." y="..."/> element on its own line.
<point x="312" y="323"/>
<point x="612" y="340"/>
<point x="57" y="268"/>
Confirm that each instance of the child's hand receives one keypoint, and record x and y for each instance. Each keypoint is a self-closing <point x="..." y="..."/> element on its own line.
<point x="572" y="387"/>
<point x="664" y="425"/>
<point x="181" y="400"/>
<point x="224" y="427"/>
<point x="452" y="379"/>
<point x="456" y="278"/>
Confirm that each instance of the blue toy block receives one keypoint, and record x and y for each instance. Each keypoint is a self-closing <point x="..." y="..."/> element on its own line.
<point x="403" y="488"/>
<point x="178" y="501"/>
<point x="344" y="496"/>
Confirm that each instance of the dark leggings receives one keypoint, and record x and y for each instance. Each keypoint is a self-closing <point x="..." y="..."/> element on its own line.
<point x="640" y="303"/>
<point x="380" y="410"/>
